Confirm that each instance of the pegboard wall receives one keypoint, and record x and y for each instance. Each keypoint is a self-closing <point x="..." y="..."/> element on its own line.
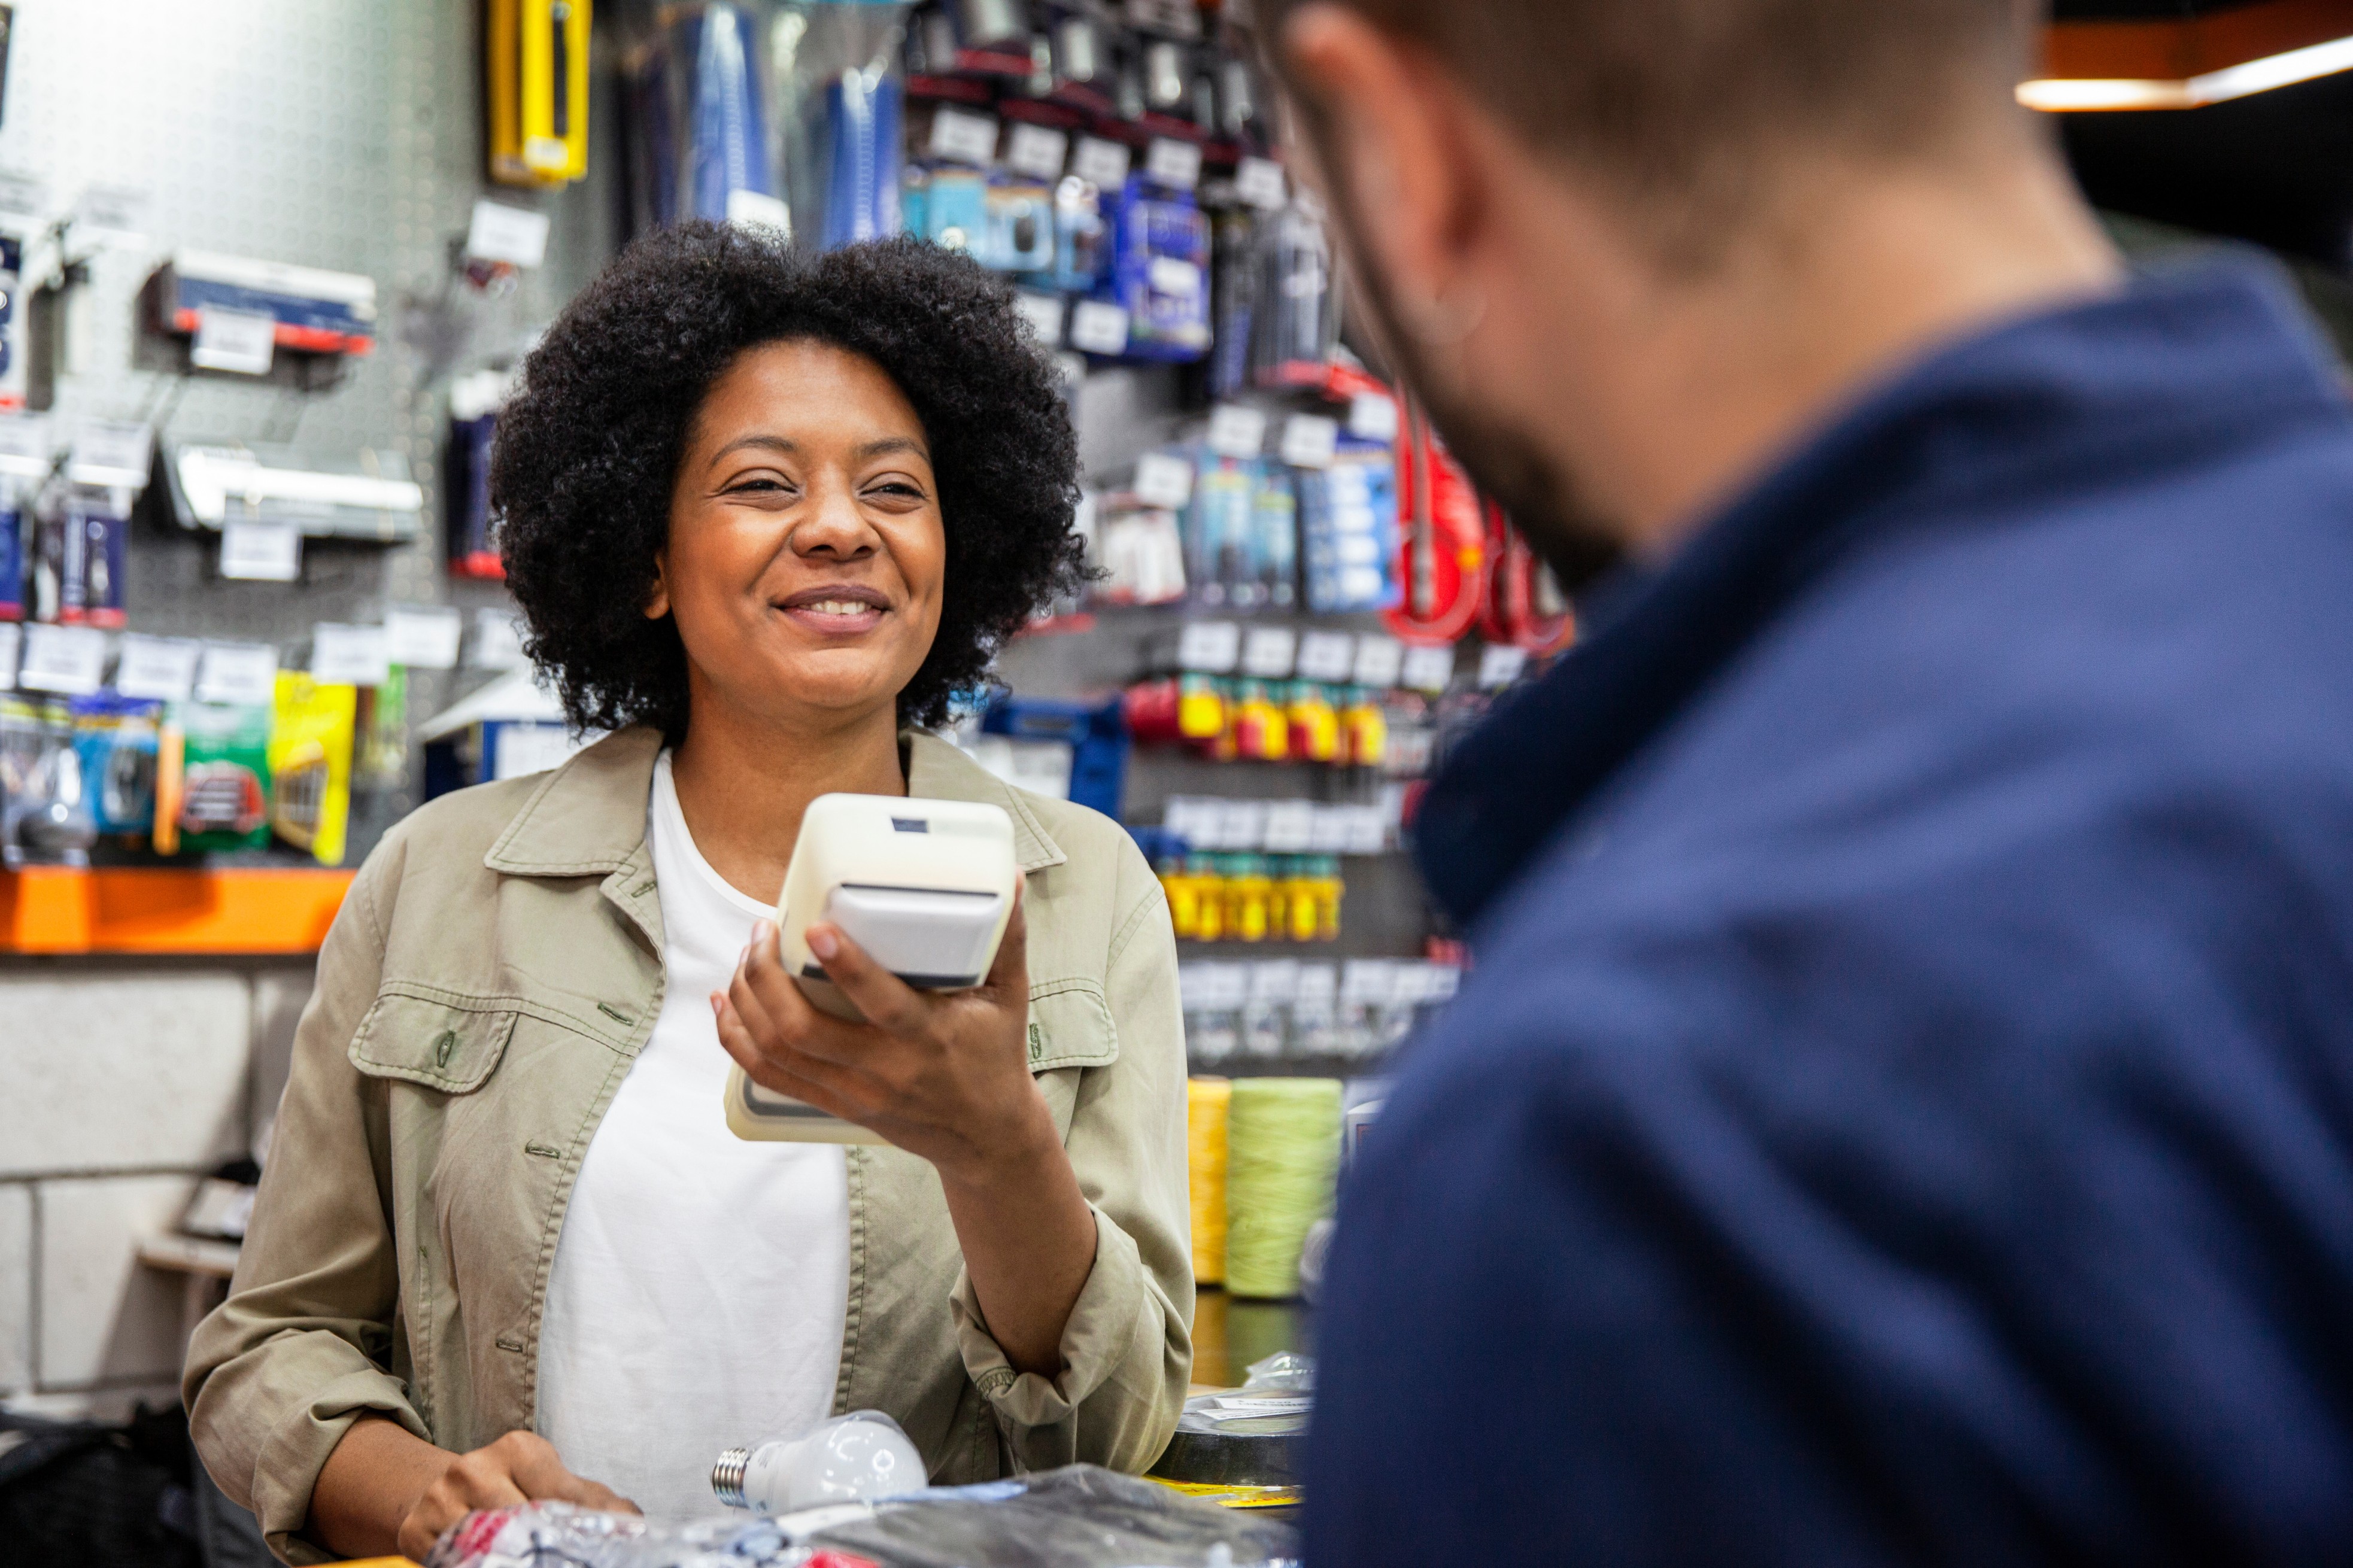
<point x="345" y="134"/>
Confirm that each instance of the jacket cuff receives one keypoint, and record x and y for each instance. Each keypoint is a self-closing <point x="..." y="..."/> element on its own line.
<point x="1095" y="1341"/>
<point x="293" y="1454"/>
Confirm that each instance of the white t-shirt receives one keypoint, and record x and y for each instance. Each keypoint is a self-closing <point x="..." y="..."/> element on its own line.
<point x="701" y="1281"/>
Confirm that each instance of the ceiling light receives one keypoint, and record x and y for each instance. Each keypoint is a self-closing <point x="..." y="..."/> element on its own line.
<point x="2068" y="94"/>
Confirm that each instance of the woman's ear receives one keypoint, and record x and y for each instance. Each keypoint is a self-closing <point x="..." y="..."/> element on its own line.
<point x="657" y="597"/>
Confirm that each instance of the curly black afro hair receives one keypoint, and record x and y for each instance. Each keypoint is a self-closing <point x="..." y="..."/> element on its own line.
<point x="589" y="450"/>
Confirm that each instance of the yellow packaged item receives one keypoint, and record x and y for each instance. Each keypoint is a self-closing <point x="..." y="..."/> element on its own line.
<point x="311" y="765"/>
<point x="538" y="81"/>
<point x="1206" y="1099"/>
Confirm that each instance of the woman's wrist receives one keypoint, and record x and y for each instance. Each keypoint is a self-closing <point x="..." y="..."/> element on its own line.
<point x="1024" y="1151"/>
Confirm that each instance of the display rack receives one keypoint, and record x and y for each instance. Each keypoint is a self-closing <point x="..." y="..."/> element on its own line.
<point x="227" y="911"/>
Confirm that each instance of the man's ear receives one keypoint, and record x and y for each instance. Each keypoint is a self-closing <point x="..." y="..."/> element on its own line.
<point x="657" y="597"/>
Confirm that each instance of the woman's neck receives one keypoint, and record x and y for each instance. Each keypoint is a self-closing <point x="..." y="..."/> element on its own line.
<point x="743" y="785"/>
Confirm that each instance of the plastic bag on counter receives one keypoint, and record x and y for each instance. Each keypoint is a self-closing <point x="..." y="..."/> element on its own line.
<point x="1077" y="1517"/>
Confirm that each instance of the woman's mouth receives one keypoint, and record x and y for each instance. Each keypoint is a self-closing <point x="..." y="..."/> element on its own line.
<point x="836" y="612"/>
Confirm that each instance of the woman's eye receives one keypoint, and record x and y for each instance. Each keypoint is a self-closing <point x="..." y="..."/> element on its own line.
<point x="896" y="488"/>
<point x="748" y="486"/>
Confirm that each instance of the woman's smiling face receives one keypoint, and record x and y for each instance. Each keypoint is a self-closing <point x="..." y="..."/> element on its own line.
<point x="805" y="551"/>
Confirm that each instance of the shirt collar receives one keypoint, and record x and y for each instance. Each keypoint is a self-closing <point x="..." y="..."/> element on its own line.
<point x="588" y="817"/>
<point x="2182" y="361"/>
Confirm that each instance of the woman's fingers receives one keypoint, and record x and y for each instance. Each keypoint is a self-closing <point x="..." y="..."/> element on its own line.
<point x="889" y="1003"/>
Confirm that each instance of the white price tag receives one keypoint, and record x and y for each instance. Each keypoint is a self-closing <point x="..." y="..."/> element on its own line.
<point x="1163" y="481"/>
<point x="244" y="673"/>
<point x="757" y="209"/>
<point x="22" y="194"/>
<point x="1098" y="326"/>
<point x="161" y="669"/>
<point x="1329" y="832"/>
<point x="1369" y="981"/>
<point x="1309" y="441"/>
<point x="1430" y="669"/>
<point x="498" y="642"/>
<point x="344" y="655"/>
<point x="1378" y="661"/>
<point x="69" y="660"/>
<point x="1270" y="653"/>
<point x="1236" y="430"/>
<point x="1044" y="314"/>
<point x="962" y="137"/>
<point x="1228" y="985"/>
<point x="1209" y="648"/>
<point x="1499" y="667"/>
<point x="1290" y="826"/>
<point x="109" y="452"/>
<point x="11" y="635"/>
<point x="1243" y="823"/>
<point x="423" y="637"/>
<point x="1037" y="151"/>
<point x="237" y="341"/>
<point x="1173" y="164"/>
<point x="1372" y="418"/>
<point x="516" y="236"/>
<point x="1275" y="979"/>
<point x="1367" y="832"/>
<point x="25" y="440"/>
<point x="256" y="550"/>
<point x="1102" y="162"/>
<point x="1326" y="655"/>
<point x="1260" y="183"/>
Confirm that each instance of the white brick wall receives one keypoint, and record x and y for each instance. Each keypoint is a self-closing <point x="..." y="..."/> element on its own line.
<point x="118" y="1085"/>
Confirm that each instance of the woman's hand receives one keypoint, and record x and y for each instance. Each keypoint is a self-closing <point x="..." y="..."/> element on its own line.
<point x="947" y="1078"/>
<point x="385" y="1490"/>
<point x="521" y="1466"/>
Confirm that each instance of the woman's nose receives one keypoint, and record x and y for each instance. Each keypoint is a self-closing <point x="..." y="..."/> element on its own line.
<point x="834" y="526"/>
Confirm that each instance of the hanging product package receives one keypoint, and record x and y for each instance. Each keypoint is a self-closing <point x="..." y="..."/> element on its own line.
<point x="219" y="795"/>
<point x="841" y="98"/>
<point x="700" y="142"/>
<point x="311" y="765"/>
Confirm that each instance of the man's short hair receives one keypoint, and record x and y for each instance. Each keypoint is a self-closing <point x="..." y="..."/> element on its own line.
<point x="1686" y="101"/>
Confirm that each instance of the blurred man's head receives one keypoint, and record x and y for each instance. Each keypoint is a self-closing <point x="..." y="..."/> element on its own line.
<point x="1578" y="220"/>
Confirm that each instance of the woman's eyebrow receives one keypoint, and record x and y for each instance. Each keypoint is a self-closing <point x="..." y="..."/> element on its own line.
<point x="893" y="444"/>
<point x="769" y="443"/>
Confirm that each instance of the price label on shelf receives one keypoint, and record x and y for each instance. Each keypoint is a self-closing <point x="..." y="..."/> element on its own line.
<point x="423" y="637"/>
<point x="1430" y="669"/>
<point x="237" y="341"/>
<point x="1328" y="834"/>
<point x="259" y="550"/>
<point x="1044" y="314"/>
<point x="1326" y="655"/>
<point x="498" y="642"/>
<point x="1379" y="661"/>
<point x="1369" y="981"/>
<point x="160" y="669"/>
<point x="1260" y="183"/>
<point x="1102" y="162"/>
<point x="1270" y="653"/>
<point x="25" y="444"/>
<point x="1309" y="441"/>
<point x="1037" y="151"/>
<point x="516" y="236"/>
<point x="1171" y="163"/>
<point x="237" y="672"/>
<point x="1372" y="418"/>
<point x="344" y="655"/>
<point x="1244" y="824"/>
<point x="1367" y="832"/>
<point x="1236" y="430"/>
<point x="1209" y="648"/>
<point x="110" y="452"/>
<point x="11" y="635"/>
<point x="68" y="660"/>
<point x="1099" y="327"/>
<point x="1290" y="826"/>
<point x="1500" y="666"/>
<point x="1163" y="481"/>
<point x="962" y="137"/>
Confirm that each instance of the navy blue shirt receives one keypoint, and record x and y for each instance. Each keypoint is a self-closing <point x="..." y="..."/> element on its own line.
<point x="1904" y="1109"/>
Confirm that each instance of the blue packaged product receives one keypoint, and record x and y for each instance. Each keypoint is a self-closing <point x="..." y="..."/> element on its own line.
<point x="115" y="738"/>
<point x="1081" y="239"/>
<point x="1160" y="272"/>
<point x="1217" y="544"/>
<point x="12" y="552"/>
<point x="1348" y="531"/>
<point x="1274" y="531"/>
<point x="1018" y="236"/>
<point x="955" y="209"/>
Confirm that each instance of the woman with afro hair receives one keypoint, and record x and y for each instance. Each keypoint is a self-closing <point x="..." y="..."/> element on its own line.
<point x="766" y="512"/>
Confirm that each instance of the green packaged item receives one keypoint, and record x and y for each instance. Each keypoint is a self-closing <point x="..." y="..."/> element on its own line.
<point x="224" y="787"/>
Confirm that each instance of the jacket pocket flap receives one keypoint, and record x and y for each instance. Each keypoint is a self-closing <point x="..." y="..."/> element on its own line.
<point x="448" y="1043"/>
<point x="1070" y="1026"/>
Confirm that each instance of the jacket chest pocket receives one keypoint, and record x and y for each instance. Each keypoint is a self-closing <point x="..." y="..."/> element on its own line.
<point x="1069" y="1031"/>
<point x="433" y="1039"/>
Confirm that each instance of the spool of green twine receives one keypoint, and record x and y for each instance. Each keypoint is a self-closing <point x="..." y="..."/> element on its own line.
<point x="1283" y="1156"/>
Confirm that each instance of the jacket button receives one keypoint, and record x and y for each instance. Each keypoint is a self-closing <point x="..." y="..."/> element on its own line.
<point x="443" y="1046"/>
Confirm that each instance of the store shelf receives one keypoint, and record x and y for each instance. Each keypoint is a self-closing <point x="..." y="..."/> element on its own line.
<point x="168" y="909"/>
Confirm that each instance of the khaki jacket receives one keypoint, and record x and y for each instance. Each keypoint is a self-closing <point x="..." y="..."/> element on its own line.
<point x="493" y="973"/>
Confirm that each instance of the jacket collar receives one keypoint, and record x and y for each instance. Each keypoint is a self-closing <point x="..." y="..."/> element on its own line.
<point x="588" y="817"/>
<point x="2183" y="364"/>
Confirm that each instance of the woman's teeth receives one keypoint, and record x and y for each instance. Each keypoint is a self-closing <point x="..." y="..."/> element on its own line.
<point x="840" y="608"/>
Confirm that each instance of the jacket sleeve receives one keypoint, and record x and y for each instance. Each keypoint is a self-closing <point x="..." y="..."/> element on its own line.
<point x="303" y="1347"/>
<point x="1128" y="1351"/>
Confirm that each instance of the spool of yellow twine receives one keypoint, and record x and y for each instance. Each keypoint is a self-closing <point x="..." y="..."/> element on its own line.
<point x="1206" y="1099"/>
<point x="1283" y="1144"/>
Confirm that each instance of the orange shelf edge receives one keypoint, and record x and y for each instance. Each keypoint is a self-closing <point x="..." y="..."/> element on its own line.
<point x="167" y="909"/>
